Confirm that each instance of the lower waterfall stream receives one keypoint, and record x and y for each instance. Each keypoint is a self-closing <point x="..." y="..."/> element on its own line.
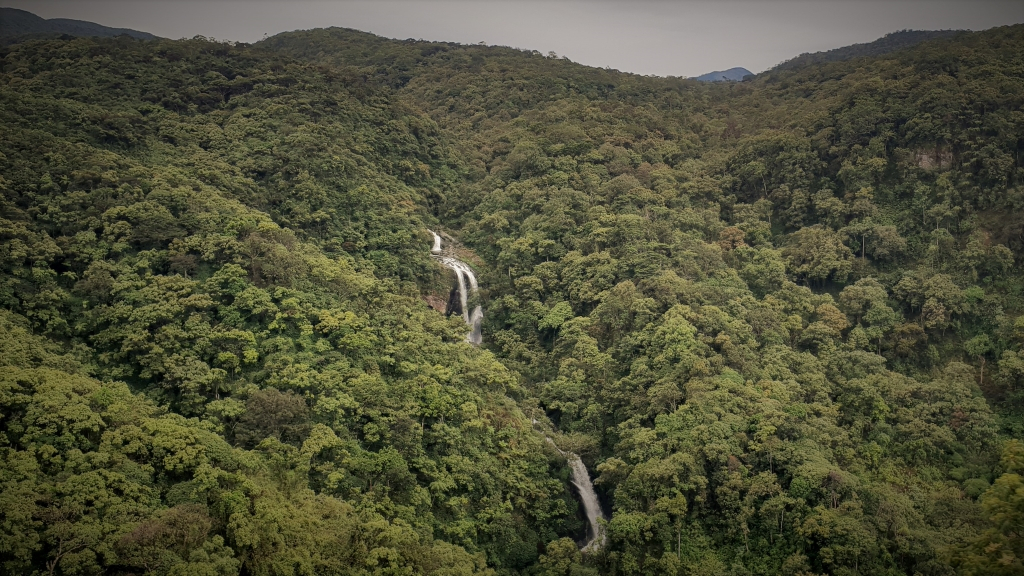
<point x="467" y="286"/>
<point x="591" y="505"/>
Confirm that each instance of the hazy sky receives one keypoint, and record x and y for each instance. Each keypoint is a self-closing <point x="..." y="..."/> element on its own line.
<point x="663" y="37"/>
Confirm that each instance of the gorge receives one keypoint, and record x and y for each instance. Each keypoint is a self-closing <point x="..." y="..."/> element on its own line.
<point x="467" y="286"/>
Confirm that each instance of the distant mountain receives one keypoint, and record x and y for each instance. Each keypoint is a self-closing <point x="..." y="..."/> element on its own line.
<point x="16" y="24"/>
<point x="730" y="75"/>
<point x="889" y="43"/>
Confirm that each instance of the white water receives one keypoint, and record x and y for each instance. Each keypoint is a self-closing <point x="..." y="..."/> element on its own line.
<point x="580" y="476"/>
<point x="465" y="276"/>
<point x="591" y="505"/>
<point x="437" y="243"/>
<point x="581" y="480"/>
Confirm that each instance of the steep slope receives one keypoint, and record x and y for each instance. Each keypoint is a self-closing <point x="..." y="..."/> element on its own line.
<point x="704" y="286"/>
<point x="780" y="319"/>
<point x="238" y="238"/>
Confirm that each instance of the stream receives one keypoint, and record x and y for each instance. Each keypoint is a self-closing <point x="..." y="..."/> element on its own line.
<point x="467" y="286"/>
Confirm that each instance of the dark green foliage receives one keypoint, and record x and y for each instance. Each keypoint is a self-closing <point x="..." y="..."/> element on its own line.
<point x="889" y="43"/>
<point x="271" y="414"/>
<point x="779" y="320"/>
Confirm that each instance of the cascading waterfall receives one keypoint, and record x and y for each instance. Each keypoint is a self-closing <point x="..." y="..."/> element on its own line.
<point x="467" y="287"/>
<point x="591" y="505"/>
<point x="580" y="476"/>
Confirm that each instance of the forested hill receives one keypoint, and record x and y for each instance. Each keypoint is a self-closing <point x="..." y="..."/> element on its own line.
<point x="780" y="320"/>
<point x="18" y="25"/>
<point x="891" y="42"/>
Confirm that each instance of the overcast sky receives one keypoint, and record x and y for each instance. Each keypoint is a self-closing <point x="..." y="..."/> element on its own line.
<point x="663" y="37"/>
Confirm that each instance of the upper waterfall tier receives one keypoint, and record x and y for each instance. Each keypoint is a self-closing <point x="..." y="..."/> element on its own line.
<point x="467" y="287"/>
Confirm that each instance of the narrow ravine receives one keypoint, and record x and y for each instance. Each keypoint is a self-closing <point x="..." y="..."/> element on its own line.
<point x="467" y="287"/>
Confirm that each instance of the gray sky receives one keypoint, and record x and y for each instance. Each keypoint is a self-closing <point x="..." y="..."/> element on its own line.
<point x="662" y="37"/>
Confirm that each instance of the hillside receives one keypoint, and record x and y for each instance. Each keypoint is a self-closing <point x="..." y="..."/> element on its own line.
<point x="891" y="42"/>
<point x="17" y="24"/>
<point x="779" y="320"/>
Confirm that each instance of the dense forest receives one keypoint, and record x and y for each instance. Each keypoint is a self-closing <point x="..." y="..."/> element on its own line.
<point x="780" y="320"/>
<point x="889" y="43"/>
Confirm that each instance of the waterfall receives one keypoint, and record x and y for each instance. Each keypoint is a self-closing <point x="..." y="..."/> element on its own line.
<point x="580" y="477"/>
<point x="581" y="480"/>
<point x="460" y="274"/>
<point x="591" y="505"/>
<point x="437" y="243"/>
<point x="467" y="287"/>
<point x="476" y="335"/>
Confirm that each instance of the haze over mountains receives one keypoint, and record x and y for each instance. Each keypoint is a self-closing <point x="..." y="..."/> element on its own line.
<point x="16" y="23"/>
<point x="730" y="75"/>
<point x="889" y="43"/>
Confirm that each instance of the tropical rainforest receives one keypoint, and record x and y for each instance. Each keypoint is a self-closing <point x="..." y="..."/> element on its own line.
<point x="781" y="320"/>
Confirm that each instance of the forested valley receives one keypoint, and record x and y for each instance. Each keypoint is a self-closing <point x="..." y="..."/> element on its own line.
<point x="781" y="320"/>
